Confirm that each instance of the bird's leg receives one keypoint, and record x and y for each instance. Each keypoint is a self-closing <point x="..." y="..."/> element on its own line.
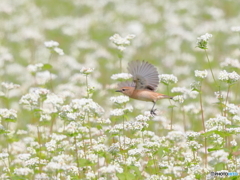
<point x="152" y="112"/>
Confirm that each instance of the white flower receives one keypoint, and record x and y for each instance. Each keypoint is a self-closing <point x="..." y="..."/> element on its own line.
<point x="117" y="112"/>
<point x="110" y="169"/>
<point x="235" y="28"/>
<point x="168" y="79"/>
<point x="179" y="98"/>
<point x="233" y="142"/>
<point x="8" y="114"/>
<point x="194" y="145"/>
<point x="228" y="77"/>
<point x="232" y="109"/>
<point x="51" y="44"/>
<point x="201" y="74"/>
<point x="121" y="42"/>
<point x="121" y="76"/>
<point x="118" y="40"/>
<point x="203" y="40"/>
<point x="142" y="118"/>
<point x="44" y="77"/>
<point x="33" y="68"/>
<point x="3" y="155"/>
<point x="120" y="99"/>
<point x="86" y="71"/>
<point x="220" y="156"/>
<point x="87" y="105"/>
<point x="231" y="62"/>
<point x="217" y="123"/>
<point x="58" y="51"/>
<point x="10" y="85"/>
<point x="23" y="171"/>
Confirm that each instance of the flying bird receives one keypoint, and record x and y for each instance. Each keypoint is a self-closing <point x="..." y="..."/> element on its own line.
<point x="144" y="84"/>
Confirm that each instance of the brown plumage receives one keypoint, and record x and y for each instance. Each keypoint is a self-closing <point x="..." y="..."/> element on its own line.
<point x="144" y="84"/>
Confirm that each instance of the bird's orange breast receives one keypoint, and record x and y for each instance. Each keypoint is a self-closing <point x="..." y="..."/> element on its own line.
<point x="144" y="95"/>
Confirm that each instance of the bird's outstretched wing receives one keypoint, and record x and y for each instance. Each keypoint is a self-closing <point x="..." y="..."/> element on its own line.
<point x="126" y="84"/>
<point x="145" y="75"/>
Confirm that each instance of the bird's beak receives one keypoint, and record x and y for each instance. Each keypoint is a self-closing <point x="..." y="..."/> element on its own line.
<point x="118" y="91"/>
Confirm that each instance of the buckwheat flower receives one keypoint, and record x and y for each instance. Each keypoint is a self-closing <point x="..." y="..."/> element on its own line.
<point x="30" y="99"/>
<point x="51" y="145"/>
<point x="44" y="76"/>
<point x="235" y="28"/>
<point x="90" y="175"/>
<point x="3" y="155"/>
<point x="51" y="44"/>
<point x="179" y="99"/>
<point x="120" y="99"/>
<point x="228" y="77"/>
<point x="54" y="99"/>
<point x="194" y="145"/>
<point x="233" y="142"/>
<point x="218" y="95"/>
<point x="220" y="156"/>
<point x="33" y="68"/>
<point x="202" y="41"/>
<point x="86" y="71"/>
<point x="168" y="79"/>
<point x="201" y="74"/>
<point x="23" y="171"/>
<point x="45" y="117"/>
<point x="121" y="76"/>
<point x="10" y="86"/>
<point x="110" y="169"/>
<point x="177" y="136"/>
<point x="128" y="109"/>
<point x="8" y="114"/>
<point x="231" y="62"/>
<point x="59" y="51"/>
<point x="99" y="148"/>
<point x="53" y="166"/>
<point x="42" y="176"/>
<point x="217" y="123"/>
<point x="117" y="112"/>
<point x="42" y="92"/>
<point x="136" y="152"/>
<point x="236" y="119"/>
<point x="121" y="42"/>
<point x="87" y="105"/>
<point x="192" y="135"/>
<point x="232" y="109"/>
<point x="136" y="125"/>
<point x="142" y="118"/>
<point x="182" y="90"/>
<point x="58" y="137"/>
<point x="34" y="162"/>
<point x="24" y="157"/>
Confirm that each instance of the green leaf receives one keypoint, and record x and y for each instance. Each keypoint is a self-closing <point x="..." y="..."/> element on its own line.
<point x="222" y="134"/>
<point x="213" y="149"/>
<point x="47" y="67"/>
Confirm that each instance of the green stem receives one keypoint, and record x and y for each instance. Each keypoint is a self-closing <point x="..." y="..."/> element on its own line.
<point x="171" y="118"/>
<point x="210" y="67"/>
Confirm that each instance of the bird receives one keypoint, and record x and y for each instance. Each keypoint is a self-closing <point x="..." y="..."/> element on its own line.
<point x="144" y="83"/>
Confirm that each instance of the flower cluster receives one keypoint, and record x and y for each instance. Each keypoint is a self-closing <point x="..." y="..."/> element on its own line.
<point x="121" y="76"/>
<point x="201" y="74"/>
<point x="230" y="78"/>
<point x="168" y="79"/>
<point x="54" y="46"/>
<point x="202" y="41"/>
<point x="121" y="42"/>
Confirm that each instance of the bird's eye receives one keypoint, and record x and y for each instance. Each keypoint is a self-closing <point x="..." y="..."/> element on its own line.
<point x="123" y="89"/>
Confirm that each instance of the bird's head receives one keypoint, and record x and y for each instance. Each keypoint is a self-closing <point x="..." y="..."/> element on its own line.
<point x="126" y="87"/>
<point x="126" y="90"/>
